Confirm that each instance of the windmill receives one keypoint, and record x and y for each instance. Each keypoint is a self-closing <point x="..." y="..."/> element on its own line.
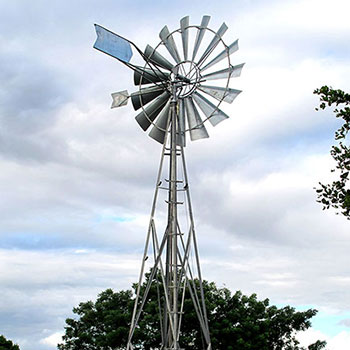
<point x="173" y="100"/>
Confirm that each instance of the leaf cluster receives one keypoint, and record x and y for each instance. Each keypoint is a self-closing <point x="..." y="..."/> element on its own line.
<point x="236" y="321"/>
<point x="244" y="322"/>
<point x="102" y="325"/>
<point x="6" y="344"/>
<point x="337" y="194"/>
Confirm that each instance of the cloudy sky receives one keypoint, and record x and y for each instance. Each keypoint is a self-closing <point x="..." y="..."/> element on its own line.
<point x="77" y="178"/>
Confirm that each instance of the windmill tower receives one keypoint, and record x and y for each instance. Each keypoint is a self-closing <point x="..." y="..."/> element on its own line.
<point x="174" y="100"/>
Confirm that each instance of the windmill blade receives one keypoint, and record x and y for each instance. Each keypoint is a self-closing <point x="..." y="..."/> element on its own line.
<point x="161" y="123"/>
<point x="226" y="52"/>
<point x="195" y="123"/>
<point x="144" y="96"/>
<point x="211" y="111"/>
<point x="200" y="34"/>
<point x="232" y="72"/>
<point x="213" y="43"/>
<point x="169" y="43"/>
<point x="112" y="44"/>
<point x="157" y="58"/>
<point x="149" y="114"/>
<point x="184" y="23"/>
<point x="221" y="94"/>
<point x="181" y="134"/>
<point x="147" y="76"/>
<point x="120" y="98"/>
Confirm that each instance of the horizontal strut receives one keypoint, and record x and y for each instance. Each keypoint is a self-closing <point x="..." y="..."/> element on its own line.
<point x="173" y="202"/>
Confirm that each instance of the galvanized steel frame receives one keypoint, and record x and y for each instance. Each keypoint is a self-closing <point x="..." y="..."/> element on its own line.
<point x="175" y="273"/>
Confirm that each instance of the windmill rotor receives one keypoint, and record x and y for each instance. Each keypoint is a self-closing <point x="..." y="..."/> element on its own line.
<point x="190" y="77"/>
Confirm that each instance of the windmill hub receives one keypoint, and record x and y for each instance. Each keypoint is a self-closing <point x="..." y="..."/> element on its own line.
<point x="187" y="76"/>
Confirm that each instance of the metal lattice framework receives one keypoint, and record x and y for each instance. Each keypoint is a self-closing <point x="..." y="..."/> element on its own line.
<point x="174" y="100"/>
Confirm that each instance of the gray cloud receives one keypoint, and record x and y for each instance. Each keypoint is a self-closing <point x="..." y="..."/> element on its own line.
<point x="53" y="282"/>
<point x="77" y="179"/>
<point x="345" y="322"/>
<point x="31" y="95"/>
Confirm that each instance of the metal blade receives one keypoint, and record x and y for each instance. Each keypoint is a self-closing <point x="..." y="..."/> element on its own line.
<point x="147" y="116"/>
<point x="169" y="43"/>
<point x="184" y="23"/>
<point x="148" y="76"/>
<point x="228" y="51"/>
<point x="157" y="58"/>
<point x="162" y="123"/>
<point x="181" y="137"/>
<point x="144" y="96"/>
<point x="120" y="98"/>
<point x="213" y="43"/>
<point x="200" y="33"/>
<point x="214" y="114"/>
<point x="112" y="44"/>
<point x="225" y="94"/>
<point x="195" y="124"/>
<point x="232" y="71"/>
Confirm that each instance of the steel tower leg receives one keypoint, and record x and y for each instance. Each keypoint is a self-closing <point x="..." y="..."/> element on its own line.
<point x="172" y="273"/>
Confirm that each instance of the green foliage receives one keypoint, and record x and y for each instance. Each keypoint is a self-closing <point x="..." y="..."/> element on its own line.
<point x="244" y="322"/>
<point x="100" y="325"/>
<point x="236" y="321"/>
<point x="318" y="345"/>
<point x="337" y="194"/>
<point x="7" y="344"/>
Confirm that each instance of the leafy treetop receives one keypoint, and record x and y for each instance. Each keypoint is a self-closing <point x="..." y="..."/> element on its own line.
<point x="337" y="194"/>
<point x="6" y="344"/>
<point x="236" y="321"/>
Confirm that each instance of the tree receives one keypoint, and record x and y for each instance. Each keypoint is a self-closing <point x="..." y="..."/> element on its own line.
<point x="236" y="321"/>
<point x="337" y="194"/>
<point x="7" y="344"/>
<point x="100" y="325"/>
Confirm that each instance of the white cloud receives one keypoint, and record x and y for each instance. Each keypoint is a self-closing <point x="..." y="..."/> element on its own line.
<point x="310" y="336"/>
<point x="339" y="341"/>
<point x="52" y="340"/>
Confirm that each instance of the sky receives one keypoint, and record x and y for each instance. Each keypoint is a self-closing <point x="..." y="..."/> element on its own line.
<point x="77" y="178"/>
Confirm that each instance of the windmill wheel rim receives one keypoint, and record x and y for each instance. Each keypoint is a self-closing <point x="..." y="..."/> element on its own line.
<point x="148" y="63"/>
